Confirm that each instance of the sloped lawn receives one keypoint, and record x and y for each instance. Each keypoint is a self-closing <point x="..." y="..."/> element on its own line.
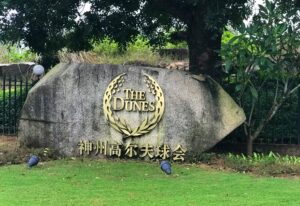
<point x="101" y="182"/>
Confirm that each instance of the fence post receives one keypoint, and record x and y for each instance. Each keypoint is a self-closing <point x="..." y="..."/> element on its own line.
<point x="298" y="117"/>
<point x="15" y="105"/>
<point x="9" y="122"/>
<point x="3" y="104"/>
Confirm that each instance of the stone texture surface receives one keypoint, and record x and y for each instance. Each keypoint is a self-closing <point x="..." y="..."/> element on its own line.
<point x="17" y="70"/>
<point x="65" y="106"/>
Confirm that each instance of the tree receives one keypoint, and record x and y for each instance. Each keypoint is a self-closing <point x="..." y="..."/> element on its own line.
<point x="41" y="25"/>
<point x="266" y="55"/>
<point x="202" y="21"/>
<point x="48" y="25"/>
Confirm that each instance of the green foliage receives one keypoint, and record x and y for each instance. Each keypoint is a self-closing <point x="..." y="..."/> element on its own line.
<point x="260" y="158"/>
<point x="11" y="103"/>
<point x="14" y="54"/>
<point x="269" y="45"/>
<point x="139" y="44"/>
<point x="110" y="47"/>
<point x="48" y="29"/>
<point x="106" y="47"/>
<point x="259" y="163"/>
<point x="137" y="52"/>
<point x="179" y="45"/>
<point x="264" y="164"/>
<point x="265" y="57"/>
<point x="226" y="37"/>
<point x="42" y="28"/>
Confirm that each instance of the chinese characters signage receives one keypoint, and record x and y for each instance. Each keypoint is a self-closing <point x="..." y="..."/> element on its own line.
<point x="131" y="150"/>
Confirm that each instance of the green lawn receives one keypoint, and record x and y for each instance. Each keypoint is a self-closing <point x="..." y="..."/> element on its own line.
<point x="131" y="183"/>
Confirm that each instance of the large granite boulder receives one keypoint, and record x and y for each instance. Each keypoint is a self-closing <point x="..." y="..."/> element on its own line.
<point x="66" y="106"/>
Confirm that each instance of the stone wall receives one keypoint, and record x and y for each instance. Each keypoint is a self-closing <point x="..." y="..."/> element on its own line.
<point x="17" y="70"/>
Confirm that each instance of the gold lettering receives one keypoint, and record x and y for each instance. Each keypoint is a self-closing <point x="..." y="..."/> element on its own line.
<point x="138" y="95"/>
<point x="163" y="152"/>
<point x="151" y="106"/>
<point x="115" y="150"/>
<point x="128" y="106"/>
<point x="147" y="150"/>
<point x="127" y="93"/>
<point x="136" y="106"/>
<point x="145" y="107"/>
<point x="143" y="96"/>
<point x="133" y="101"/>
<point x="133" y="95"/>
<point x="130" y="150"/>
<point x="179" y="153"/>
<point x="115" y="103"/>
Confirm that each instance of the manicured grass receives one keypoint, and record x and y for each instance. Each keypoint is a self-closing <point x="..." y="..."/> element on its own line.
<point x="94" y="182"/>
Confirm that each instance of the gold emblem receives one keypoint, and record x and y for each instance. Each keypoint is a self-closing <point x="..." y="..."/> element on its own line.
<point x="133" y="101"/>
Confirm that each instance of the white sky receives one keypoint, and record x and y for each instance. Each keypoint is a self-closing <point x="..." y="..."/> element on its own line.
<point x="255" y="10"/>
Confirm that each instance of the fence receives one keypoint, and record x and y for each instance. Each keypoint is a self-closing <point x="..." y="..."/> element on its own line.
<point x="282" y="129"/>
<point x="13" y="93"/>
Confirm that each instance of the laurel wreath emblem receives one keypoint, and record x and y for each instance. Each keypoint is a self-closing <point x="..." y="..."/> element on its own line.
<point x="120" y="124"/>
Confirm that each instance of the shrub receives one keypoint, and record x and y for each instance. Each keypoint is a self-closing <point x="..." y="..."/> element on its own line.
<point x="10" y="107"/>
<point x="264" y="164"/>
<point x="138" y="52"/>
<point x="15" y="54"/>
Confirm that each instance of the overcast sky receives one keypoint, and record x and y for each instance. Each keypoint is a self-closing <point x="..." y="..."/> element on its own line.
<point x="255" y="10"/>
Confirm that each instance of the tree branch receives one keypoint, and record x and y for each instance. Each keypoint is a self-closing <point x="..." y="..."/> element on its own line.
<point x="251" y="111"/>
<point x="294" y="89"/>
<point x="276" y="92"/>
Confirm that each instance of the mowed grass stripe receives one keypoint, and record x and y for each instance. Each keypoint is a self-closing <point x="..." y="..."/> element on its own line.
<point x="94" y="182"/>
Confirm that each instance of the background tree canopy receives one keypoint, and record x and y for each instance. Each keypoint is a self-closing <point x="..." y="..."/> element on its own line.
<point x="49" y="25"/>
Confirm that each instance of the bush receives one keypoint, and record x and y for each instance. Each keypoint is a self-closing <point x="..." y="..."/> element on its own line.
<point x="106" y="47"/>
<point x="138" y="52"/>
<point x="265" y="59"/>
<point x="10" y="108"/>
<point x="15" y="54"/>
<point x="270" y="164"/>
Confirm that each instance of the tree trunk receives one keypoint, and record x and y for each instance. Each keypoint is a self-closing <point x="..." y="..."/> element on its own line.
<point x="204" y="47"/>
<point x="249" y="146"/>
<point x="263" y="122"/>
